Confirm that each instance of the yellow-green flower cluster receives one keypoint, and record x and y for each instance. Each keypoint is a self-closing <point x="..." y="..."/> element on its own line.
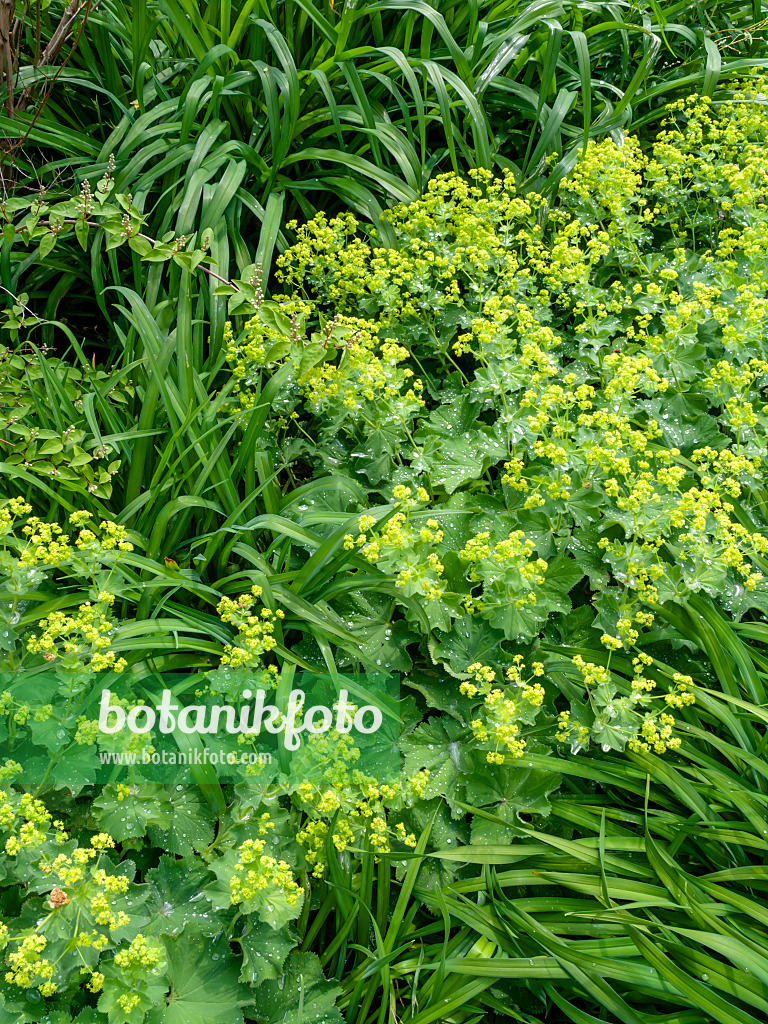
<point x="47" y="544"/>
<point x="27" y="966"/>
<point x="507" y="568"/>
<point x="595" y="401"/>
<point x="621" y="717"/>
<point x="85" y="636"/>
<point x="255" y="632"/>
<point x="259" y="874"/>
<point x="12" y="510"/>
<point x="356" y="803"/>
<point x="84" y="899"/>
<point x="655" y="735"/>
<point x="26" y="819"/>
<point x="504" y="710"/>
<point x="406" y="546"/>
<point x="141" y="953"/>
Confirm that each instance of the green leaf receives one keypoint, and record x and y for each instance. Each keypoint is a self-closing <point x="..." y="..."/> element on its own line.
<point x="440" y="745"/>
<point x="51" y="448"/>
<point x="47" y="244"/>
<point x="440" y="693"/>
<point x="508" y="790"/>
<point x="459" y="460"/>
<point x="8" y="638"/>
<point x="72" y="770"/>
<point x="301" y="995"/>
<point x="383" y="644"/>
<point x="264" y="952"/>
<point x="190" y="826"/>
<point x="471" y="640"/>
<point x="81" y="233"/>
<point x="176" y="898"/>
<point x="204" y="982"/>
<point x="129" y="817"/>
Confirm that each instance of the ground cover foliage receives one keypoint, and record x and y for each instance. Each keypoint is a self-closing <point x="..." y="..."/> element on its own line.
<point x="508" y="443"/>
<point x="239" y="117"/>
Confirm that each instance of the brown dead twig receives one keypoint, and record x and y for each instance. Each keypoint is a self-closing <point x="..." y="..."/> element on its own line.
<point x="11" y="26"/>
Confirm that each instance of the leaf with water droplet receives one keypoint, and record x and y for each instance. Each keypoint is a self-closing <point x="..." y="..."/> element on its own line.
<point x="128" y="817"/>
<point x="176" y="898"/>
<point x="264" y="952"/>
<point x="190" y="827"/>
<point x="301" y="995"/>
<point x="203" y="990"/>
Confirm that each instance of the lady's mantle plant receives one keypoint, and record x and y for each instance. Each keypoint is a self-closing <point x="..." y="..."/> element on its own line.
<point x="564" y="406"/>
<point x="554" y="420"/>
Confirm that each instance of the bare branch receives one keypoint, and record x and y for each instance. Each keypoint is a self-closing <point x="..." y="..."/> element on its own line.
<point x="52" y="50"/>
<point x="7" y="18"/>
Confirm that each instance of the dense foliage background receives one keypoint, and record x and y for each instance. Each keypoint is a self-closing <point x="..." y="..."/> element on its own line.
<point x="416" y="339"/>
